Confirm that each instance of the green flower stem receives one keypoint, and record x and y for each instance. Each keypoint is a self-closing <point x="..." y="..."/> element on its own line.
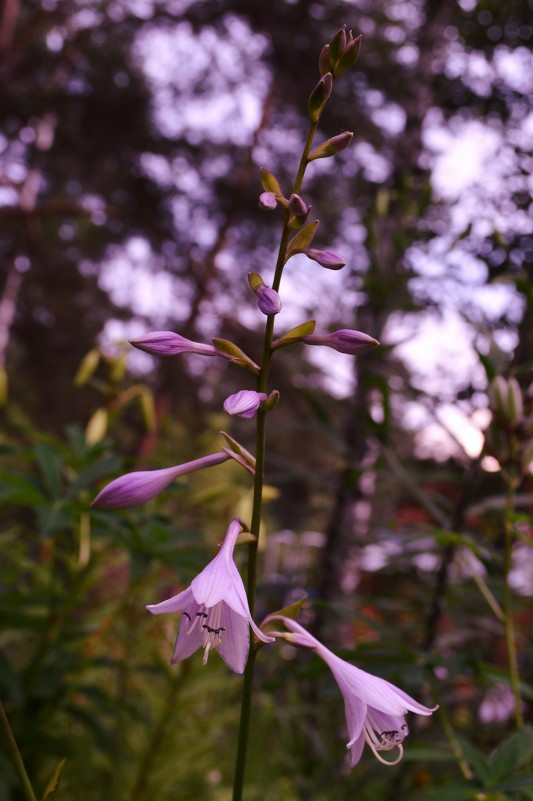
<point x="14" y="754"/>
<point x="510" y="637"/>
<point x="262" y="382"/>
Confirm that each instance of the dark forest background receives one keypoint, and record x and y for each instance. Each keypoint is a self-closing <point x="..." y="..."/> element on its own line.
<point x="132" y="134"/>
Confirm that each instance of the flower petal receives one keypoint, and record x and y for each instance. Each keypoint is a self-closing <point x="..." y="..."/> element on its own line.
<point x="235" y="640"/>
<point x="182" y="602"/>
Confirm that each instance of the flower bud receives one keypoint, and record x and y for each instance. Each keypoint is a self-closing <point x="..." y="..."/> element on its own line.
<point x="244" y="403"/>
<point x="331" y="146"/>
<point x="337" y="45"/>
<point x="344" y="341"/>
<point x="505" y="400"/>
<point x="268" y="300"/>
<point x="167" y="343"/>
<point x="297" y="205"/>
<point x="267" y="201"/>
<point x="319" y="96"/>
<point x="133" y="489"/>
<point x="324" y="64"/>
<point x="349" y="56"/>
<point x="326" y="258"/>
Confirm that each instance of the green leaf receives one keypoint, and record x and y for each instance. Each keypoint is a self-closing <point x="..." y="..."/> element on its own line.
<point x="477" y="761"/>
<point x="47" y="459"/>
<point x="302" y="240"/>
<point x="514" y="751"/>
<point x="295" y="334"/>
<point x="516" y="783"/>
<point x="270" y="183"/>
<point x="53" y="785"/>
<point x="237" y="356"/>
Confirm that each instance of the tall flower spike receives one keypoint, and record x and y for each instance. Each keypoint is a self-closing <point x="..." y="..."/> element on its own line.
<point x="134" y="489"/>
<point x="215" y="611"/>
<point x="375" y="708"/>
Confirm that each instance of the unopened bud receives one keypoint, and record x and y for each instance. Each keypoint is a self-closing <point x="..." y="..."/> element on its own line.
<point x="319" y="96"/>
<point x="344" y="341"/>
<point x="349" y="56"/>
<point x="326" y="258"/>
<point x="331" y="146"/>
<point x="267" y="201"/>
<point x="297" y="205"/>
<point x="323" y="60"/>
<point x="167" y="343"/>
<point x="244" y="403"/>
<point x="268" y="300"/>
<point x="505" y="400"/>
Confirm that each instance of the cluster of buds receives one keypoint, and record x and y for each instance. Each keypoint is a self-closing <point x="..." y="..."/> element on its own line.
<point x="509" y="437"/>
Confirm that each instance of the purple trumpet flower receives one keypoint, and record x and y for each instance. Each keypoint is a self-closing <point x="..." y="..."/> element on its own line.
<point x="375" y="708"/>
<point x="215" y="611"/>
<point x="244" y="403"/>
<point x="134" y="489"/>
<point x="167" y="343"/>
<point x="344" y="341"/>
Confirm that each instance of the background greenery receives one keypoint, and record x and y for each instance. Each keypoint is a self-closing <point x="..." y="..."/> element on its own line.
<point x="131" y="138"/>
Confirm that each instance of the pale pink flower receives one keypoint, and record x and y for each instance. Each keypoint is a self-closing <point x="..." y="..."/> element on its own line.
<point x="375" y="708"/>
<point x="133" y="489"/>
<point x="214" y="610"/>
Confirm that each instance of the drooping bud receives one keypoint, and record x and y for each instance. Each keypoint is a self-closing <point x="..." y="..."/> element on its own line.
<point x="167" y="343"/>
<point x="299" y="211"/>
<point x="267" y="201"/>
<point x="331" y="146"/>
<point x="134" y="489"/>
<point x="326" y="258"/>
<point x="344" y="341"/>
<point x="244" y="403"/>
<point x="319" y="96"/>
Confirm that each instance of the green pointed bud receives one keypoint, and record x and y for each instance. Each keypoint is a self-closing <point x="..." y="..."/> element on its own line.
<point x="295" y="335"/>
<point x="301" y="241"/>
<point x="236" y="447"/>
<point x="324" y="64"/>
<point x="255" y="280"/>
<point x="337" y="45"/>
<point x="319" y="96"/>
<point x="331" y="146"/>
<point x="270" y="184"/>
<point x="234" y="354"/>
<point x="505" y="401"/>
<point x="349" y="57"/>
<point x="271" y="402"/>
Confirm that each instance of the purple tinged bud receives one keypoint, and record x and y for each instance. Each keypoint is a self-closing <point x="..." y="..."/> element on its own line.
<point x="267" y="201"/>
<point x="167" y="343"/>
<point x="268" y="300"/>
<point x="319" y="96"/>
<point x="297" y="205"/>
<point x="327" y="258"/>
<point x="344" y="341"/>
<point x="331" y="146"/>
<point x="134" y="489"/>
<point x="244" y="403"/>
<point x="324" y="64"/>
